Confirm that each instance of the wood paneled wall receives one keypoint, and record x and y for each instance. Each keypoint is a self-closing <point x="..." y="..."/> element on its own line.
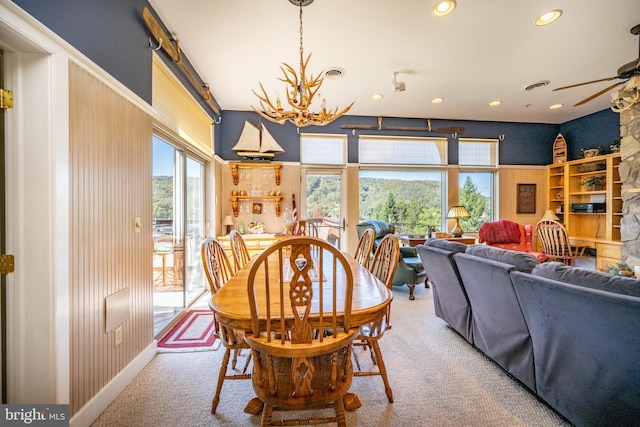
<point x="110" y="184"/>
<point x="509" y="178"/>
<point x="261" y="177"/>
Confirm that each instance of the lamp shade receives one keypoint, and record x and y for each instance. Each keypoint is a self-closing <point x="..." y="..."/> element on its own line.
<point x="458" y="212"/>
<point x="549" y="215"/>
<point x="227" y="220"/>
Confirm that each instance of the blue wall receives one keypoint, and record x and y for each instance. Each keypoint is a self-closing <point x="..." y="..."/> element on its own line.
<point x="523" y="144"/>
<point x="114" y="36"/>
<point x="599" y="129"/>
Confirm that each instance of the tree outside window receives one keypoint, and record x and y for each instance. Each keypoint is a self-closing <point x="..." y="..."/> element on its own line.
<point x="476" y="194"/>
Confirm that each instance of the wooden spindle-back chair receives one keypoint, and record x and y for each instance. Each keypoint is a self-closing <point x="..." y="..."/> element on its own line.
<point x="383" y="266"/>
<point x="301" y="328"/>
<point x="555" y="242"/>
<point x="365" y="246"/>
<point x="218" y="271"/>
<point x="239" y="249"/>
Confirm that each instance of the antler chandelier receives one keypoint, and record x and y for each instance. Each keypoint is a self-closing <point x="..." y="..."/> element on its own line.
<point x="300" y="93"/>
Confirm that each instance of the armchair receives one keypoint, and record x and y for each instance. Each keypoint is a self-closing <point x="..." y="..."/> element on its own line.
<point x="410" y="270"/>
<point x="509" y="235"/>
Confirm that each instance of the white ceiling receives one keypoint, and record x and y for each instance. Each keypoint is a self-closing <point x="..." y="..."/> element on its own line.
<point x="484" y="50"/>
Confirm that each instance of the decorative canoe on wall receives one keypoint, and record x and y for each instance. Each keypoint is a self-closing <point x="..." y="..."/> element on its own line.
<point x="559" y="149"/>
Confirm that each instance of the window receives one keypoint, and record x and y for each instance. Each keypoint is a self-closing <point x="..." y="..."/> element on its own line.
<point x="324" y="202"/>
<point x="402" y="150"/>
<point x="476" y="194"/>
<point x="410" y="200"/>
<point x="478" y="159"/>
<point x="178" y="227"/>
<point x="316" y="149"/>
<point x="478" y="152"/>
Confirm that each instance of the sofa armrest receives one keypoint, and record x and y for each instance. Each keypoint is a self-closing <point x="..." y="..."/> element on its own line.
<point x="528" y="237"/>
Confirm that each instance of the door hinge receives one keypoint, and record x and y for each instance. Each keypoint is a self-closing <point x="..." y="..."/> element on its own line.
<point x="6" y="264"/>
<point x="6" y="99"/>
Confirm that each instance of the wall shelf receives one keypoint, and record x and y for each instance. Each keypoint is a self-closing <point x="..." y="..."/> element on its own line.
<point x="235" y="200"/>
<point x="237" y="165"/>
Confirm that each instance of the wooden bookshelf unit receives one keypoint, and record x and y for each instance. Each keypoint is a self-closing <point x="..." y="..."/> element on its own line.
<point x="598" y="230"/>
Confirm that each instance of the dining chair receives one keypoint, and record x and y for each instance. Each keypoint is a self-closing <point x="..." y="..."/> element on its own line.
<point x="218" y="271"/>
<point x="383" y="266"/>
<point x="305" y="228"/>
<point x="239" y="249"/>
<point x="555" y="242"/>
<point x="365" y="246"/>
<point x="301" y="330"/>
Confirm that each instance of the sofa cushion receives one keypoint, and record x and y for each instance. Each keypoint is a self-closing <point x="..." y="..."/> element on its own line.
<point x="446" y="245"/>
<point x="588" y="278"/>
<point x="520" y="260"/>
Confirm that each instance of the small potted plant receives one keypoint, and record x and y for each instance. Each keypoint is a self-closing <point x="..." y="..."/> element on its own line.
<point x="593" y="183"/>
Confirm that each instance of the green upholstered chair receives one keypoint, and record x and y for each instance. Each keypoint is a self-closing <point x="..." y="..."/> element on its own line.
<point x="410" y="270"/>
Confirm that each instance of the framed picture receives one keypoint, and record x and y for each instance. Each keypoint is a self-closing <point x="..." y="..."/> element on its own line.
<point x="257" y="208"/>
<point x="526" y="198"/>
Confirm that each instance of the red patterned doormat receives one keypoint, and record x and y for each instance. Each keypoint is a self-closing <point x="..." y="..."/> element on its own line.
<point x="194" y="330"/>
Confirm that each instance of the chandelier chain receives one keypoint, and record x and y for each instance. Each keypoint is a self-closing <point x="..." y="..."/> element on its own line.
<point x="301" y="50"/>
<point x="301" y="91"/>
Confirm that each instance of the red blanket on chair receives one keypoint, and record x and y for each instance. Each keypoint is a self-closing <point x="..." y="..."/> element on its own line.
<point x="502" y="231"/>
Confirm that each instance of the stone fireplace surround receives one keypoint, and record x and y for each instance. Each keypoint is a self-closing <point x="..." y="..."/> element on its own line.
<point x="630" y="177"/>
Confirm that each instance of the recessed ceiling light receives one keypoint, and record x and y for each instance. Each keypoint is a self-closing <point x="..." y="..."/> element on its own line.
<point x="495" y="103"/>
<point x="376" y="97"/>
<point x="444" y="7"/>
<point x="555" y="106"/>
<point x="437" y="100"/>
<point x="548" y="17"/>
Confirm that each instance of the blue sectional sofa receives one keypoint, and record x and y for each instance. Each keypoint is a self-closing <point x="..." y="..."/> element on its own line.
<point x="585" y="330"/>
<point x="450" y="300"/>
<point x="569" y="335"/>
<point x="499" y="328"/>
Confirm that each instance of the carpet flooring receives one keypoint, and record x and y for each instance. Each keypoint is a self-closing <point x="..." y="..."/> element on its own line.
<point x="437" y="378"/>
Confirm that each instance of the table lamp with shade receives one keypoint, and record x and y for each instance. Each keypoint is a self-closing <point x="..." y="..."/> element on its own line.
<point x="457" y="212"/>
<point x="228" y="221"/>
<point x="548" y="214"/>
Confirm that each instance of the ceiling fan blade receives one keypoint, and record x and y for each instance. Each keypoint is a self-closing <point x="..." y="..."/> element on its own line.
<point x="597" y="94"/>
<point x="585" y="83"/>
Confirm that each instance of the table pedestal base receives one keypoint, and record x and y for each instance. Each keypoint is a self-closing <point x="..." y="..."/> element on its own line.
<point x="255" y="405"/>
<point x="351" y="402"/>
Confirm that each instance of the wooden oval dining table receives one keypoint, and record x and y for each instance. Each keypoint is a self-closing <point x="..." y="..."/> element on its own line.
<point x="370" y="302"/>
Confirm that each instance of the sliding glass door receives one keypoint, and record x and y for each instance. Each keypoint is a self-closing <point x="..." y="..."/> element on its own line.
<point x="178" y="229"/>
<point x="323" y="203"/>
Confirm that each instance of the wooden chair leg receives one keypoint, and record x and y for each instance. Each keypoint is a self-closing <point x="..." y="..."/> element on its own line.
<point x="267" y="414"/>
<point x="235" y="358"/>
<point x="221" y="375"/>
<point x="339" y="408"/>
<point x="383" y="370"/>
